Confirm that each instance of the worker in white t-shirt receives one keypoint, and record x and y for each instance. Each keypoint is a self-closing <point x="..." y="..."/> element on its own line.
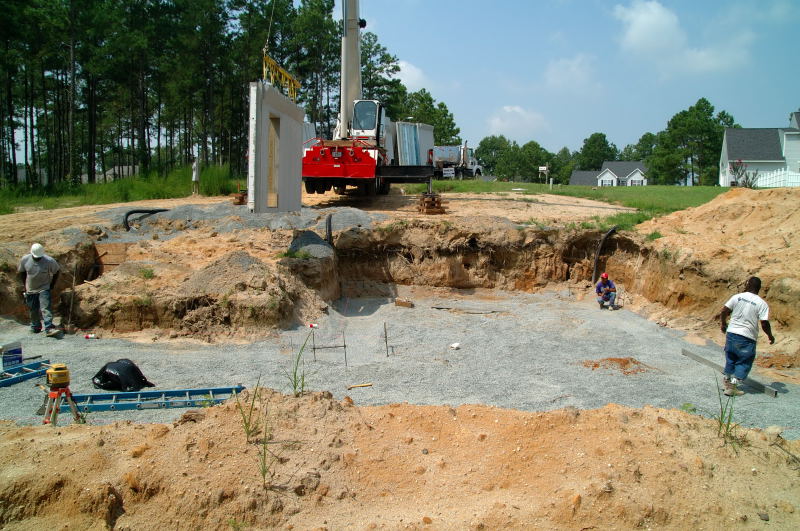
<point x="195" y="176"/>
<point x="746" y="310"/>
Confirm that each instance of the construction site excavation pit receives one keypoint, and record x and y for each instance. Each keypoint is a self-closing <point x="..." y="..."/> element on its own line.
<point x="458" y="371"/>
<point x="502" y="312"/>
<point x="534" y="352"/>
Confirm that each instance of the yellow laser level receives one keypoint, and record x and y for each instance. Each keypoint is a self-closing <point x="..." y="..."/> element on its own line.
<point x="58" y="376"/>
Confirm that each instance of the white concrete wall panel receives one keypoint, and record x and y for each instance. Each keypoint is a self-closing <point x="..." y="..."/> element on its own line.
<point x="275" y="151"/>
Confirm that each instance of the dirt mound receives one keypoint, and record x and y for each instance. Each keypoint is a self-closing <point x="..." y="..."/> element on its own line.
<point x="235" y="295"/>
<point x="712" y="250"/>
<point x="313" y="462"/>
<point x="236" y="271"/>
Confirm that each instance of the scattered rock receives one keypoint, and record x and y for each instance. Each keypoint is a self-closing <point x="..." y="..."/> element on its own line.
<point x="786" y="506"/>
<point x="773" y="433"/>
<point x="193" y="415"/>
<point x="309" y="483"/>
<point x="139" y="450"/>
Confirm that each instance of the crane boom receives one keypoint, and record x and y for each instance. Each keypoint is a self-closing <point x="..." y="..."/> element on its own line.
<point x="351" y="67"/>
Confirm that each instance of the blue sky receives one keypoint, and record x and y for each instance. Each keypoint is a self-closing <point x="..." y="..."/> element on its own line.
<point x="556" y="71"/>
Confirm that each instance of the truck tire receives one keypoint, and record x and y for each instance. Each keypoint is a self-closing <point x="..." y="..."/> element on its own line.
<point x="311" y="187"/>
<point x="384" y="186"/>
<point x="367" y="189"/>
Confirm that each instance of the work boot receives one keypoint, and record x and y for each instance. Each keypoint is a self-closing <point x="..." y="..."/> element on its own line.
<point x="601" y="305"/>
<point x="52" y="332"/>
<point x="731" y="389"/>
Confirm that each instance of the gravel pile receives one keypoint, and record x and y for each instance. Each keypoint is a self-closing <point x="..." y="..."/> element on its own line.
<point x="310" y="242"/>
<point x="523" y="351"/>
<point x="225" y="218"/>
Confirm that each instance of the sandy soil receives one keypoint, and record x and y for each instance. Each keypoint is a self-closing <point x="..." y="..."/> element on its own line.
<point x="516" y="207"/>
<point x="26" y="225"/>
<point x="513" y="206"/>
<point x="334" y="465"/>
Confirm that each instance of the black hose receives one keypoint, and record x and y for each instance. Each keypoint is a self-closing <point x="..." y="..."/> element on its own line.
<point x="611" y="231"/>
<point x="140" y="211"/>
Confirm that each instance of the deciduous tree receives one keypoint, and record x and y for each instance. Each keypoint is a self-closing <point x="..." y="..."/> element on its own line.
<point x="421" y="107"/>
<point x="596" y="149"/>
<point x="689" y="148"/>
<point x="489" y="151"/>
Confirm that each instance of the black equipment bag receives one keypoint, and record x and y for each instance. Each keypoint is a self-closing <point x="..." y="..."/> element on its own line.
<point x="120" y="375"/>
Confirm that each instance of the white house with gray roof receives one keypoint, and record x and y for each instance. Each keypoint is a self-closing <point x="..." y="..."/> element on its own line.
<point x="613" y="173"/>
<point x="772" y="152"/>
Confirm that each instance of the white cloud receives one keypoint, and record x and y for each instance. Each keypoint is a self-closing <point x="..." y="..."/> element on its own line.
<point x="412" y="77"/>
<point x="653" y="34"/>
<point x="516" y="123"/>
<point x="574" y="73"/>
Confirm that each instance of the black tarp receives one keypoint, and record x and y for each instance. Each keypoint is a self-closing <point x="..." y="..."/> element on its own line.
<point x="120" y="375"/>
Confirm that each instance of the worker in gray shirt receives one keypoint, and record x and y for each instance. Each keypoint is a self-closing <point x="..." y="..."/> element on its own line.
<point x="38" y="274"/>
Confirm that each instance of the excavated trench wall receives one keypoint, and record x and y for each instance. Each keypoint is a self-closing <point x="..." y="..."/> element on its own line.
<point x="240" y="293"/>
<point x="529" y="259"/>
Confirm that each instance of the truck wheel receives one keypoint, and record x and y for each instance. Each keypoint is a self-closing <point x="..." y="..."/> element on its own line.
<point x="367" y="189"/>
<point x="383" y="188"/>
<point x="310" y="187"/>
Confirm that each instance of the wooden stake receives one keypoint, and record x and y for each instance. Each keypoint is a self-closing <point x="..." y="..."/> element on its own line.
<point x="359" y="385"/>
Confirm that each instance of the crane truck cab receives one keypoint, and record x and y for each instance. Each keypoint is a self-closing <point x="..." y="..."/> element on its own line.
<point x="371" y="124"/>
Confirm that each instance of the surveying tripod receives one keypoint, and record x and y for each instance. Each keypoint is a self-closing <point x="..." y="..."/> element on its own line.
<point x="58" y="380"/>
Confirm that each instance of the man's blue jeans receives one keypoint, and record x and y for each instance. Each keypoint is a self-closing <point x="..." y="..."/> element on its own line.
<point x="40" y="302"/>
<point x="609" y="297"/>
<point x="740" y="352"/>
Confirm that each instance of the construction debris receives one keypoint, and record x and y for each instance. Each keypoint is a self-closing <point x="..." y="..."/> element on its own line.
<point x="405" y="303"/>
<point x="359" y="385"/>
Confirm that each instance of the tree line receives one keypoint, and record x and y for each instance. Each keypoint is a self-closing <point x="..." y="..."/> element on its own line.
<point x="91" y="85"/>
<point x="689" y="148"/>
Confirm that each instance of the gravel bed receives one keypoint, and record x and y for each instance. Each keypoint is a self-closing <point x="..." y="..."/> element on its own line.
<point x="521" y="351"/>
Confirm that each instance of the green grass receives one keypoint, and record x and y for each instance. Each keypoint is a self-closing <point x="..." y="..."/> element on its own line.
<point x="214" y="180"/>
<point x="650" y="201"/>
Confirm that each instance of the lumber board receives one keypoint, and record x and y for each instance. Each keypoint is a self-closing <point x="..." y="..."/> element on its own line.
<point x="110" y="255"/>
<point x="749" y="382"/>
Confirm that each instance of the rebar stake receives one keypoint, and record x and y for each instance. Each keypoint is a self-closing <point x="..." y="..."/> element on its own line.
<point x="344" y="344"/>
<point x="386" y="338"/>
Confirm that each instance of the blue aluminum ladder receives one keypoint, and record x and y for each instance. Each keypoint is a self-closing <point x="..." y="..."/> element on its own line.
<point x="141" y="400"/>
<point x="26" y="371"/>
